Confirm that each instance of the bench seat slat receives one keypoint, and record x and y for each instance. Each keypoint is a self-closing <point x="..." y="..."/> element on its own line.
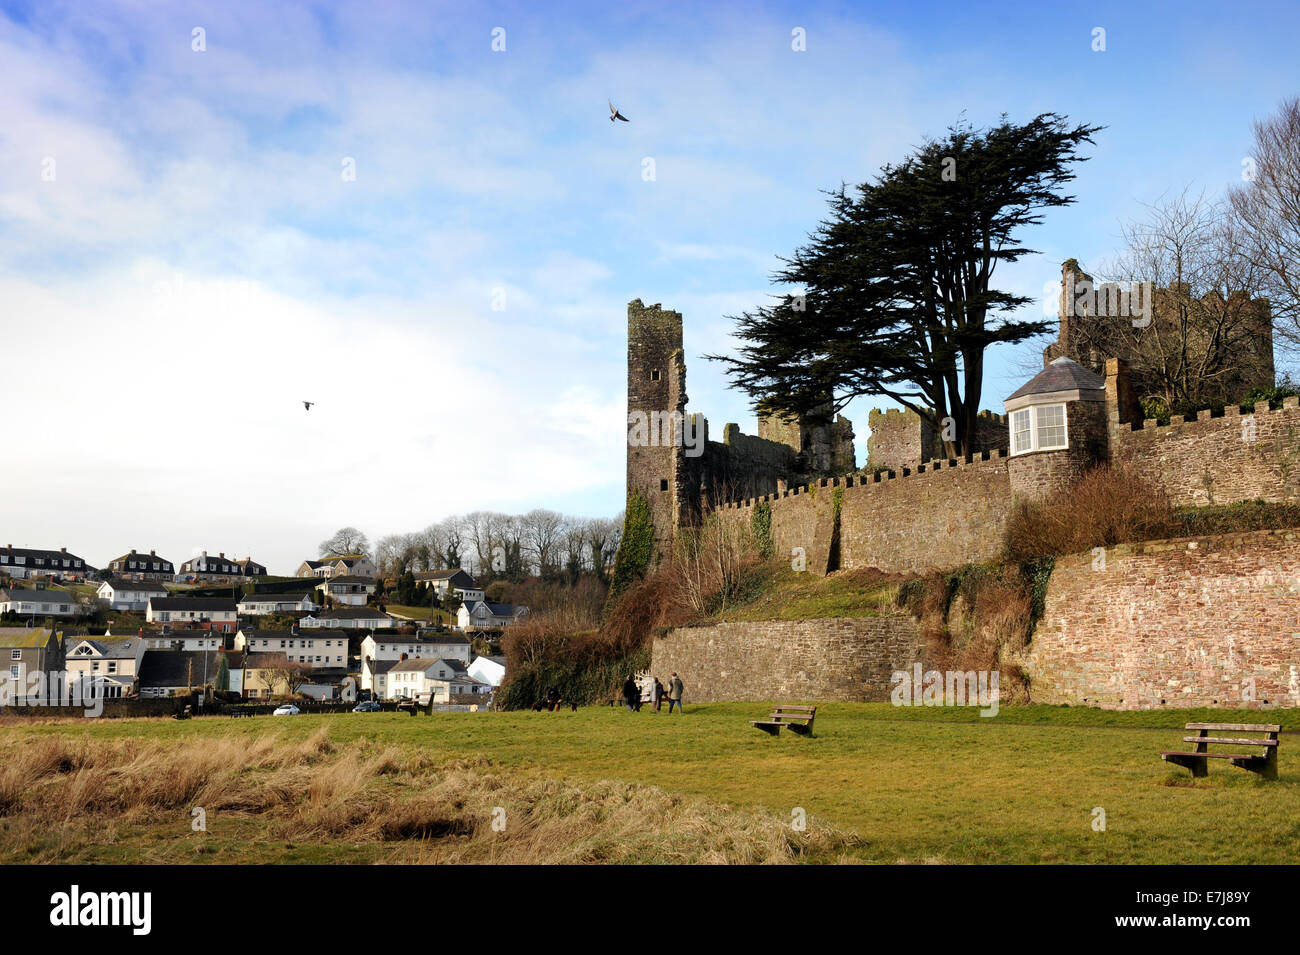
<point x="1246" y="727"/>
<point x="1229" y="741"/>
<point x="1215" y="755"/>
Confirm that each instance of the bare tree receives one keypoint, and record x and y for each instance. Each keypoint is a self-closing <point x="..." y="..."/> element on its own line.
<point x="542" y="531"/>
<point x="1267" y="208"/>
<point x="1206" y="338"/>
<point x="346" y="540"/>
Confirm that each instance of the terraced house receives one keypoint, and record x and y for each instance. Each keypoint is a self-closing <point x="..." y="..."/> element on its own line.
<point x="220" y="567"/>
<point x="220" y="613"/>
<point x="143" y="566"/>
<point x="130" y="594"/>
<point x="20" y="563"/>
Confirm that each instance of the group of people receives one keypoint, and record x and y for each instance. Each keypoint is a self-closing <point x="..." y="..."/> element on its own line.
<point x="632" y="694"/>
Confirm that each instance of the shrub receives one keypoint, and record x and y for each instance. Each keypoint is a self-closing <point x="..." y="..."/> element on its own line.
<point x="634" y="549"/>
<point x="1106" y="506"/>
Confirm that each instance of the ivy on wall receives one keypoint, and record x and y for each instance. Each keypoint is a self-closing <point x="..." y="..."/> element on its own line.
<point x="635" y="549"/>
<point x="761" y="524"/>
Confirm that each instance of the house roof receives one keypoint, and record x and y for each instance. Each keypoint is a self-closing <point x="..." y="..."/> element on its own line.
<point x="39" y="596"/>
<point x="161" y="668"/>
<point x="423" y="663"/>
<point x="497" y="610"/>
<point x="1063" y="374"/>
<point x="227" y="604"/>
<point x="107" y="648"/>
<point x="17" y="638"/>
<point x="351" y="613"/>
<point x="457" y="576"/>
<point x="139" y="586"/>
<point x="136" y="555"/>
<point x="31" y="552"/>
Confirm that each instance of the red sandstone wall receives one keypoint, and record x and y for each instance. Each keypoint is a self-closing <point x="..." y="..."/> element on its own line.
<point x="1173" y="623"/>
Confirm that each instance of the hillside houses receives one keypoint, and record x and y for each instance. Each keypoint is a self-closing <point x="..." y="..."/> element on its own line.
<point x="21" y="563"/>
<point x="142" y="566"/>
<point x="454" y="581"/>
<point x="206" y="568"/>
<point x="316" y="648"/>
<point x="29" y="654"/>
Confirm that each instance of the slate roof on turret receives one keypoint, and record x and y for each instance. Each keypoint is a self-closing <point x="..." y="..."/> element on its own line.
<point x="1063" y="374"/>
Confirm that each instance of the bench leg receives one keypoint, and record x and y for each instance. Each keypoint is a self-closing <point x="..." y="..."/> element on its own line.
<point x="800" y="729"/>
<point x="770" y="730"/>
<point x="1265" y="768"/>
<point x="1199" y="767"/>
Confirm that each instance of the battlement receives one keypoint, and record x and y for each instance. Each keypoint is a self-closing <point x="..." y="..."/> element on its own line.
<point x="864" y="478"/>
<point x="1259" y="410"/>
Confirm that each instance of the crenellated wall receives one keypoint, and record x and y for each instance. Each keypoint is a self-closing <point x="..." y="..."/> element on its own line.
<point x="1243" y="455"/>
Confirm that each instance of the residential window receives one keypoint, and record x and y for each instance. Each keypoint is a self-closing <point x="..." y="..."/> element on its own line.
<point x="13" y="672"/>
<point x="1039" y="428"/>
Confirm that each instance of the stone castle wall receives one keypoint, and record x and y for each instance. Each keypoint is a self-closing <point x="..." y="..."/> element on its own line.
<point x="1173" y="623"/>
<point x="791" y="661"/>
<point x="1243" y="455"/>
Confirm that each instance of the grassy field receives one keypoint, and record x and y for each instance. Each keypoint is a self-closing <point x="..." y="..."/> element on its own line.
<point x="878" y="784"/>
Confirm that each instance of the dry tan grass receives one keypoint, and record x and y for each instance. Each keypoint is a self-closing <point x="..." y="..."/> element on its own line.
<point x="414" y="808"/>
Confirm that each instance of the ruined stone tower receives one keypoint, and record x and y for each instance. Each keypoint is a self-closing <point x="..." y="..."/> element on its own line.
<point x="670" y="461"/>
<point x="656" y="387"/>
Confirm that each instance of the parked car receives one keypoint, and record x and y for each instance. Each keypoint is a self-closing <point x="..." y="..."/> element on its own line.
<point x="287" y="710"/>
<point x="367" y="706"/>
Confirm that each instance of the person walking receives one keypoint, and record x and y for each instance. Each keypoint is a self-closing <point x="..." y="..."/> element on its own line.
<point x="658" y="694"/>
<point x="675" y="693"/>
<point x="631" y="695"/>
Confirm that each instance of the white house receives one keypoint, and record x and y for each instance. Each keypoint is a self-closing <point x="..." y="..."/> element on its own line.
<point x="204" y="567"/>
<point x="166" y="638"/>
<point x="434" y="680"/>
<point x="481" y="615"/>
<point x="221" y="612"/>
<point x="348" y="618"/>
<point x="322" y="650"/>
<point x="259" y="605"/>
<point x="489" y="670"/>
<point x="348" y="590"/>
<point x="39" y="603"/>
<point x="130" y="594"/>
<point x="380" y="652"/>
<point x="114" y="665"/>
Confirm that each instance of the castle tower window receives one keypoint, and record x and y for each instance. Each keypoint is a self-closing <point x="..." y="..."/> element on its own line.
<point x="663" y="484"/>
<point x="654" y="375"/>
<point x="1038" y="428"/>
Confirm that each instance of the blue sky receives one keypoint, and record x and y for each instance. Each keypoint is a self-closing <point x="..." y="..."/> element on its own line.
<point x="198" y="264"/>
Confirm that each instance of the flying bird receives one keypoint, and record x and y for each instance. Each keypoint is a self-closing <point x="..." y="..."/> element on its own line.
<point x="308" y="404"/>
<point x="615" y="114"/>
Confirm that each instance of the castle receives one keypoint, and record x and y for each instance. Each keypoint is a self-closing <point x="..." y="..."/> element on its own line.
<point x="1208" y="621"/>
<point x="1082" y="409"/>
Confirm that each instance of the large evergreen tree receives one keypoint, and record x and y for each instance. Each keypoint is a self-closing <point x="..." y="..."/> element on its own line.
<point x="898" y="298"/>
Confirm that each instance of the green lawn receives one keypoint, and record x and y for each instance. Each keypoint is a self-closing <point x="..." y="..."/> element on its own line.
<point x="923" y="784"/>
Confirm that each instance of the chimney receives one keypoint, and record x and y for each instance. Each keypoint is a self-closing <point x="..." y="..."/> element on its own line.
<point x="222" y="555"/>
<point x="133" y="550"/>
<point x="63" y="550"/>
<point x="153" y="553"/>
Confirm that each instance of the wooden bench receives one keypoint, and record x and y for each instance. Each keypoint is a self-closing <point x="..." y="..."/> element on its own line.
<point x="798" y="718"/>
<point x="1264" y="764"/>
